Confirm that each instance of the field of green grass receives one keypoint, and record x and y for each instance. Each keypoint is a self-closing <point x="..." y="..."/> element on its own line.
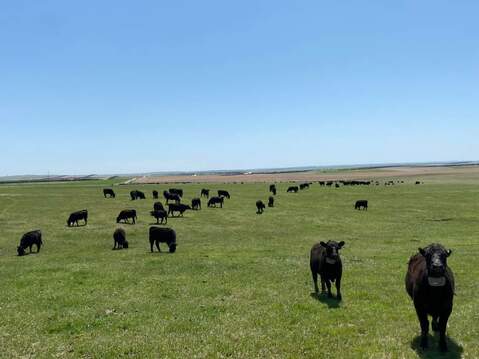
<point x="239" y="284"/>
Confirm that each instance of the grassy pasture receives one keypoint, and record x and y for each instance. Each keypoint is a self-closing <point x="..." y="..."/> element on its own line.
<point x="239" y="284"/>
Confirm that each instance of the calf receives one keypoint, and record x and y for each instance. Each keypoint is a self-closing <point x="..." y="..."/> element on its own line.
<point x="155" y="194"/>
<point x="125" y="215"/>
<point x="271" y="201"/>
<point x="28" y="240"/>
<point x="196" y="203"/>
<point x="119" y="239"/>
<point x="430" y="284"/>
<point x="78" y="216"/>
<point x="260" y="207"/>
<point x="292" y="189"/>
<point x="160" y="214"/>
<point x="108" y="192"/>
<point x="137" y="195"/>
<point x="174" y="207"/>
<point x="215" y="200"/>
<point x="223" y="193"/>
<point x="163" y="235"/>
<point x="326" y="262"/>
<point x="361" y="204"/>
<point x="205" y="192"/>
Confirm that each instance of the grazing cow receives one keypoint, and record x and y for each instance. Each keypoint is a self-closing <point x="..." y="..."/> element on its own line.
<point x="119" y="239"/>
<point x="158" y="206"/>
<point x="336" y="185"/>
<point x="108" y="192"/>
<point x="418" y="182"/>
<point x="260" y="207"/>
<point x="160" y="214"/>
<point x="361" y="204"/>
<point x="174" y="207"/>
<point x="214" y="200"/>
<point x="292" y="189"/>
<point x="171" y="197"/>
<point x="196" y="203"/>
<point x="177" y="191"/>
<point x="322" y="183"/>
<point x="163" y="235"/>
<point x="223" y="193"/>
<point x="137" y="195"/>
<point x="28" y="240"/>
<point x="326" y="262"/>
<point x="155" y="194"/>
<point x="272" y="189"/>
<point x="430" y="284"/>
<point x="78" y="216"/>
<point x="205" y="192"/>
<point x="271" y="201"/>
<point x="125" y="215"/>
<point x="303" y="186"/>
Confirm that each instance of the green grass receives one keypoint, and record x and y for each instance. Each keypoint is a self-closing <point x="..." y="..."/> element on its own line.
<point x="239" y="284"/>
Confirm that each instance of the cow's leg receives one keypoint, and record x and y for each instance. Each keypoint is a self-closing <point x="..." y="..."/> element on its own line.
<point x="422" y="316"/>
<point x="134" y="220"/>
<point x="442" y="331"/>
<point x="151" y="245"/>
<point x="38" y="247"/>
<point x="31" y="245"/>
<point x="158" y="245"/>
<point x="315" y="282"/>
<point x="328" y="284"/>
<point x="338" y="288"/>
<point x="323" y="285"/>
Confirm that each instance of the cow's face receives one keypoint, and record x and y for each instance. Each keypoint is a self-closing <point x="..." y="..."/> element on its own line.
<point x="332" y="249"/>
<point x="125" y="244"/>
<point x="172" y="247"/>
<point x="436" y="259"/>
<point x="20" y="251"/>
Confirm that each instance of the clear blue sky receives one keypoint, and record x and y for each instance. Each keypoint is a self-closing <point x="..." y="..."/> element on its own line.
<point x="127" y="86"/>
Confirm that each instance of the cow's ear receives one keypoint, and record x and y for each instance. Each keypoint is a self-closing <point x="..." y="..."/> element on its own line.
<point x="422" y="251"/>
<point x="448" y="253"/>
<point x="323" y="244"/>
<point x="341" y="244"/>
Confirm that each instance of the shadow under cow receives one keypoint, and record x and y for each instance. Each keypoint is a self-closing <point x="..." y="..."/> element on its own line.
<point x="433" y="352"/>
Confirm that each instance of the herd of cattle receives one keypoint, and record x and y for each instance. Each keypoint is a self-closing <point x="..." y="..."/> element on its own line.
<point x="429" y="280"/>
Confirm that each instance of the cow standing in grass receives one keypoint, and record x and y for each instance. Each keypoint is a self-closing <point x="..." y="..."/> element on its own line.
<point x="196" y="203"/>
<point x="108" y="192"/>
<point x="292" y="189"/>
<point x="126" y="215"/>
<point x="205" y="192"/>
<point x="223" y="193"/>
<point x="28" y="240"/>
<point x="162" y="235"/>
<point x="271" y="201"/>
<point x="430" y="284"/>
<point x="160" y="214"/>
<point x="325" y="261"/>
<point x="119" y="239"/>
<point x="75" y="217"/>
<point x="216" y="200"/>
<point x="361" y="204"/>
<point x="260" y="207"/>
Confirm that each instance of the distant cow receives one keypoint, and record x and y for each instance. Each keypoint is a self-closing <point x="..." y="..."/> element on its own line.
<point x="223" y="193"/>
<point x="119" y="239"/>
<point x="78" y="216"/>
<point x="158" y="206"/>
<point x="196" y="203"/>
<point x="272" y="189"/>
<point x="137" y="195"/>
<point x="125" y="215"/>
<point x="418" y="182"/>
<point x="108" y="192"/>
<point x="292" y="189"/>
<point x="205" y="192"/>
<point x="361" y="204"/>
<point x="28" y="240"/>
<point x="271" y="201"/>
<point x="160" y="214"/>
<point x="177" y="191"/>
<point x="303" y="186"/>
<point x="155" y="194"/>
<point x="430" y="284"/>
<point x="171" y="197"/>
<point x="260" y="207"/>
<point x="163" y="235"/>
<point x="181" y="208"/>
<point x="326" y="262"/>
<point x="215" y="200"/>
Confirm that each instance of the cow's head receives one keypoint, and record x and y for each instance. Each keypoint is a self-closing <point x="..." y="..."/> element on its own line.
<point x="172" y="247"/>
<point x="125" y="244"/>
<point x="20" y="251"/>
<point x="332" y="250"/>
<point x="436" y="259"/>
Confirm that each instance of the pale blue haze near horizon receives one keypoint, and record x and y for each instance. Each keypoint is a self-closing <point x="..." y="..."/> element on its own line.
<point x="123" y="86"/>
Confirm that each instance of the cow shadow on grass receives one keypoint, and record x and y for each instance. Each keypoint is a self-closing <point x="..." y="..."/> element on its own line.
<point x="433" y="352"/>
<point x="77" y="225"/>
<point x="332" y="303"/>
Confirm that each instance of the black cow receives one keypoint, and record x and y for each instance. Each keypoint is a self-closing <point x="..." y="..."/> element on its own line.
<point x="155" y="194"/>
<point x="214" y="200"/>
<point x="160" y="214"/>
<point x="108" y="192"/>
<point x="271" y="201"/>
<point x="137" y="195"/>
<point x="205" y="192"/>
<point x="125" y="215"/>
<point x="158" y="206"/>
<point x="196" y="203"/>
<point x="292" y="189"/>
<point x="177" y="191"/>
<point x="260" y="207"/>
<point x="174" y="207"/>
<point x="119" y="239"/>
<point x="361" y="204"/>
<point x="418" y="182"/>
<point x="223" y="193"/>
<point x="171" y="197"/>
<point x="163" y="235"/>
<point x="326" y="262"/>
<point x="28" y="240"/>
<point x="272" y="189"/>
<point x="303" y="186"/>
<point x="78" y="216"/>
<point x="430" y="284"/>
